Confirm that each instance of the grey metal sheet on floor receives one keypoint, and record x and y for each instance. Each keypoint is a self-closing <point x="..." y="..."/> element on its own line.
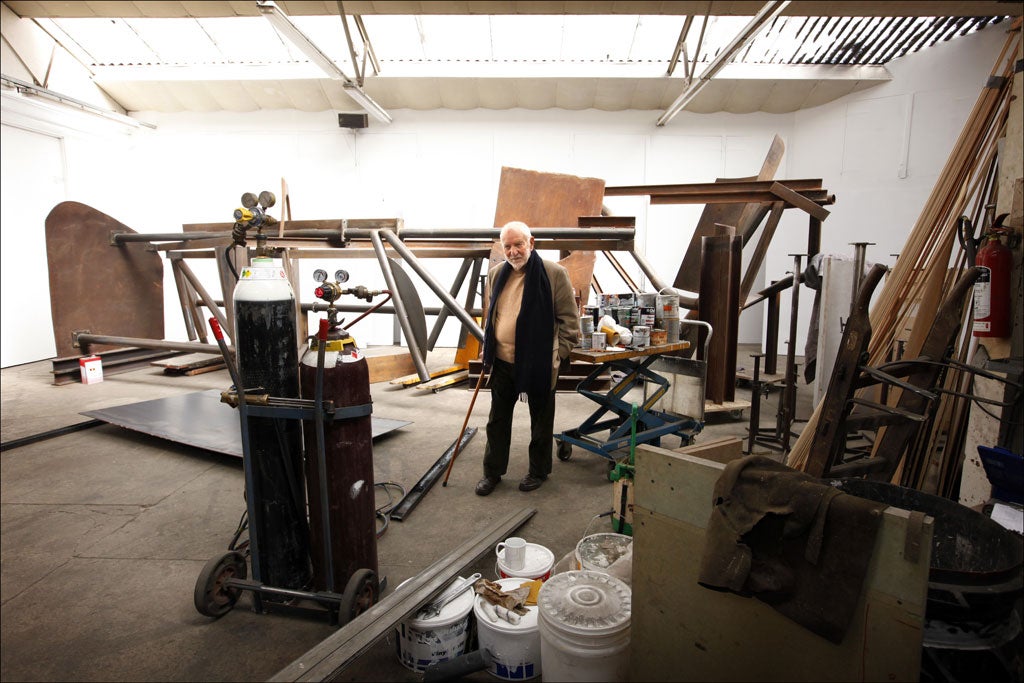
<point x="197" y="419"/>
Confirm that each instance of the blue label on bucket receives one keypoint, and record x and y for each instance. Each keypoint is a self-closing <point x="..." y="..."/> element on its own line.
<point x="520" y="673"/>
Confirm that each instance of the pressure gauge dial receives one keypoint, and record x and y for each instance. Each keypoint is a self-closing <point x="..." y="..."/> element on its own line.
<point x="319" y="274"/>
<point x="249" y="200"/>
<point x="341" y="276"/>
<point x="267" y="199"/>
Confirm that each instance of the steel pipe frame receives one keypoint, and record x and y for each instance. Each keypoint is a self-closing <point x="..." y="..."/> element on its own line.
<point x="403" y="315"/>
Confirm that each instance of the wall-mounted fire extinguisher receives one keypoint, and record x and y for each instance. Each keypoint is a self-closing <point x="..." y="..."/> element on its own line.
<point x="992" y="290"/>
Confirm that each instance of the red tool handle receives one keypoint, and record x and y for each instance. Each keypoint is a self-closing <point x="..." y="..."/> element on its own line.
<point x="324" y="326"/>
<point x="218" y="333"/>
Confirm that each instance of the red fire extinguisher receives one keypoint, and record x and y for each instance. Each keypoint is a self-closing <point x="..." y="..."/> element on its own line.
<point x="992" y="290"/>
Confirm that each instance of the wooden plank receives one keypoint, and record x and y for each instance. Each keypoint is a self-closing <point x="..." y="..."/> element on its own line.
<point x="799" y="201"/>
<point x="726" y="406"/>
<point x="723" y="450"/>
<point x="386" y="363"/>
<point x="682" y="631"/>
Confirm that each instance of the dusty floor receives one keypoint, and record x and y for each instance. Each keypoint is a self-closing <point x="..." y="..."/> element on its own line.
<point x="104" y="531"/>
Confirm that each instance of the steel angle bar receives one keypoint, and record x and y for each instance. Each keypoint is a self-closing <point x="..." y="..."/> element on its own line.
<point x="403" y="316"/>
<point x="207" y="299"/>
<point x="447" y="298"/>
<point x="411" y="499"/>
<point x="460" y="277"/>
<point x="332" y="656"/>
<point x="84" y="339"/>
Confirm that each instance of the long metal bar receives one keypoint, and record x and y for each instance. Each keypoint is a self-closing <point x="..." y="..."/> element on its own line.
<point x="680" y="48"/>
<point x="416" y="493"/>
<point x="207" y="299"/>
<point x="798" y="185"/>
<point x="788" y="411"/>
<point x="817" y="197"/>
<point x="448" y="300"/>
<point x="403" y="315"/>
<point x="687" y="299"/>
<point x="86" y="338"/>
<point x="460" y="277"/>
<point x="188" y="311"/>
<point x="332" y="656"/>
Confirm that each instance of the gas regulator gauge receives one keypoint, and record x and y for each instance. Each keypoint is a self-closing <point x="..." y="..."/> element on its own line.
<point x="319" y="274"/>
<point x="341" y="276"/>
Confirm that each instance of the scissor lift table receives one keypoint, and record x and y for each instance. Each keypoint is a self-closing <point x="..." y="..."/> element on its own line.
<point x="614" y="411"/>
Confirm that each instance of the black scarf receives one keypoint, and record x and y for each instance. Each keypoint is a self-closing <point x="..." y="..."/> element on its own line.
<point x="534" y="327"/>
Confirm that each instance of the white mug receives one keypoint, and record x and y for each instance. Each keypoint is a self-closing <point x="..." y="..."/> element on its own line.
<point x="515" y="552"/>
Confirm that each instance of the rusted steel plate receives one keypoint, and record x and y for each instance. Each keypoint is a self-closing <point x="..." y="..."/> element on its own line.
<point x="197" y="419"/>
<point x="94" y="286"/>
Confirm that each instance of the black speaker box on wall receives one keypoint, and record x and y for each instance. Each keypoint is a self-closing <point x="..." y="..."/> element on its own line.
<point x="352" y="120"/>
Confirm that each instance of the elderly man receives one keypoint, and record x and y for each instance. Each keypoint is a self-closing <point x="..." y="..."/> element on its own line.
<point x="532" y="325"/>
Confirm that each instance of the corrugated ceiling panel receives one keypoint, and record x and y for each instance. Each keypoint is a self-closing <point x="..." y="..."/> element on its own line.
<point x="495" y="94"/>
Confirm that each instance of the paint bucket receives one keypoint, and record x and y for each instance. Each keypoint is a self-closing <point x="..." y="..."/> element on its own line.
<point x="515" y="648"/>
<point x="641" y="337"/>
<point x="538" y="564"/>
<point x="667" y="307"/>
<point x="672" y="330"/>
<point x="597" y="552"/>
<point x="598" y="341"/>
<point x="422" y="642"/>
<point x="658" y="337"/>
<point x="584" y="620"/>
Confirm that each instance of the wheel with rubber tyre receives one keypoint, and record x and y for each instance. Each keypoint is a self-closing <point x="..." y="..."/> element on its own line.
<point x="212" y="597"/>
<point x="564" y="450"/>
<point x="361" y="592"/>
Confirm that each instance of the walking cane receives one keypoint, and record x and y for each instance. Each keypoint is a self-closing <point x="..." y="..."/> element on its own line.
<point x="458" y="441"/>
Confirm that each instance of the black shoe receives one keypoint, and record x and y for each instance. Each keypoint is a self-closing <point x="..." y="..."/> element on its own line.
<point x="530" y="482"/>
<point x="486" y="485"/>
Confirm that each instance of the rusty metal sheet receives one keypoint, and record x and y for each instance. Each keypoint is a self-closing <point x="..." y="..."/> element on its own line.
<point x="197" y="419"/>
<point x="94" y="286"/>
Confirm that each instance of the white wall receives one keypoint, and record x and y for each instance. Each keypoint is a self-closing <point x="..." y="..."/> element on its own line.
<point x="441" y="169"/>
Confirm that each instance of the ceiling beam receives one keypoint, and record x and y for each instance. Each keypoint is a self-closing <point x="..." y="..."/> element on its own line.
<point x="767" y="13"/>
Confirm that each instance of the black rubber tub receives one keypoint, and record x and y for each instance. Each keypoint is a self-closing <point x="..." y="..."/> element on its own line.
<point x="977" y="566"/>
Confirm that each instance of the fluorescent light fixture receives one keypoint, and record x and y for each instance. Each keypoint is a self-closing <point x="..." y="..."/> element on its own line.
<point x="767" y="13"/>
<point x="29" y="89"/>
<point x="284" y="26"/>
<point x="364" y="101"/>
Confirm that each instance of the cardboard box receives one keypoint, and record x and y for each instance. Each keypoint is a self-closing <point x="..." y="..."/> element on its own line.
<point x="91" y="368"/>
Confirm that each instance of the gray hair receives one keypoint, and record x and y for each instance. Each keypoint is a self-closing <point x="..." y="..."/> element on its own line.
<point x="518" y="226"/>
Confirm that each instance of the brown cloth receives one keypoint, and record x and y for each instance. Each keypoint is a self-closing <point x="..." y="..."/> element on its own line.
<point x="790" y="540"/>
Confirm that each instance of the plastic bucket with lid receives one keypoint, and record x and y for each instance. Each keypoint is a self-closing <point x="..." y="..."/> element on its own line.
<point x="538" y="564"/>
<point x="514" y="648"/>
<point x="583" y="619"/>
<point x="422" y="642"/>
<point x="600" y="551"/>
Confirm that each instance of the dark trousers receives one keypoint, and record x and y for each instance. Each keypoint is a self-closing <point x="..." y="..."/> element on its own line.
<point x="499" y="424"/>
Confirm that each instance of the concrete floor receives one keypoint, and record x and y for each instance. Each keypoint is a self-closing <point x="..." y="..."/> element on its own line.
<point x="103" y="532"/>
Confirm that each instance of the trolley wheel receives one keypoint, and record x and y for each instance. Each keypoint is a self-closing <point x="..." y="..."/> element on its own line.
<point x="564" y="450"/>
<point x="361" y="593"/>
<point x="212" y="598"/>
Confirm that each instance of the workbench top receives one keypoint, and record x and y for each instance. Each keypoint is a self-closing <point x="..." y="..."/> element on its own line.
<point x="592" y="356"/>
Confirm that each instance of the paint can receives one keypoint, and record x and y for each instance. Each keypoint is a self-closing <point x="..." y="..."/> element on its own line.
<point x="672" y="328"/>
<point x="599" y="341"/>
<point x="647" y="316"/>
<point x="667" y="307"/>
<point x="584" y="623"/>
<point x="515" y="648"/>
<point x="641" y="336"/>
<point x="658" y="337"/>
<point x="422" y="642"/>
<point x="597" y="552"/>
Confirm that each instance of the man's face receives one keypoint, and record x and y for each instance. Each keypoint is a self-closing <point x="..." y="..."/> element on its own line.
<point x="517" y="248"/>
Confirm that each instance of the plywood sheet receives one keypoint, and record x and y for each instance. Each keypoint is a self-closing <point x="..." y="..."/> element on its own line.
<point x="116" y="291"/>
<point x="682" y="631"/>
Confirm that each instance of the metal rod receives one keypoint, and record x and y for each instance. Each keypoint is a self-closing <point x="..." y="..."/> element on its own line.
<point x="321" y="451"/>
<point x="460" y="277"/>
<point x="403" y="316"/>
<point x="448" y="300"/>
<point x="755" y="404"/>
<point x="788" y="412"/>
<point x="86" y="338"/>
<point x="859" y="249"/>
<point x="205" y="296"/>
<point x="187" y="307"/>
<point x="686" y="299"/>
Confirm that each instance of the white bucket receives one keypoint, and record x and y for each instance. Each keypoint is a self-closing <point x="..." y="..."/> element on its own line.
<point x="514" y="648"/>
<point x="422" y="642"/>
<point x="538" y="564"/>
<point x="583" y="619"/>
<point x="599" y="551"/>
